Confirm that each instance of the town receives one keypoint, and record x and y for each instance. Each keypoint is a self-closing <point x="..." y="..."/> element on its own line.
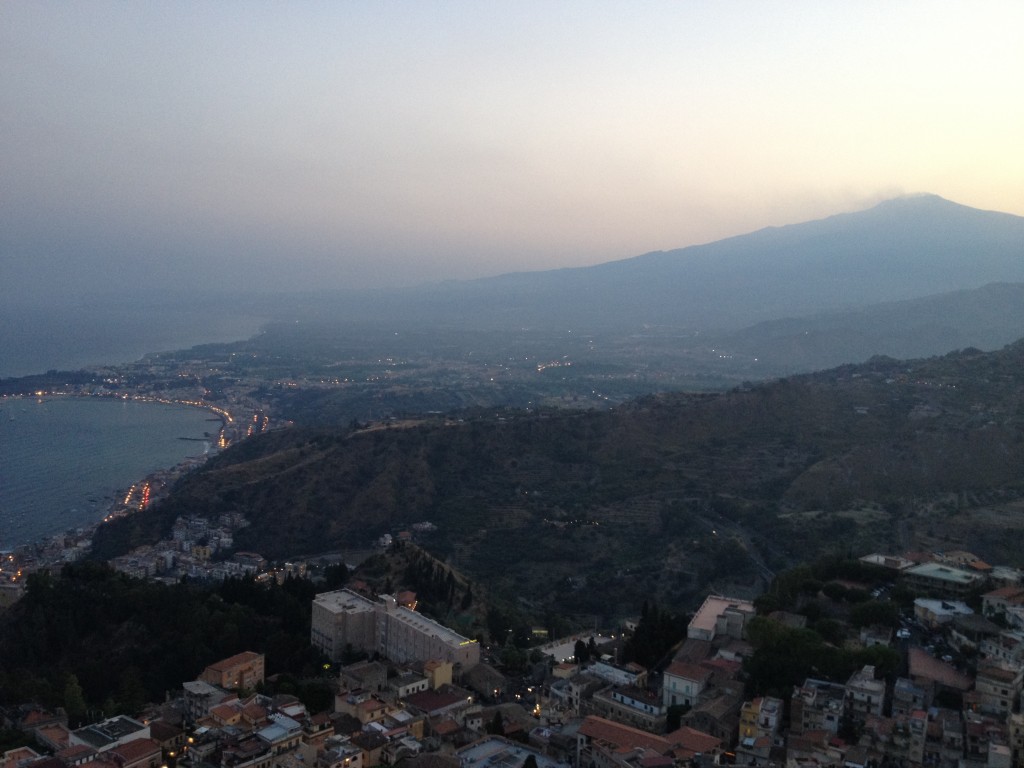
<point x="408" y="690"/>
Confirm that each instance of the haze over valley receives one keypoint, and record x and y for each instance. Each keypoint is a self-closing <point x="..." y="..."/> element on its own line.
<point x="535" y="385"/>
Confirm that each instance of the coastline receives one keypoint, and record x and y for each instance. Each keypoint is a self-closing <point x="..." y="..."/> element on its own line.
<point x="122" y="501"/>
<point x="49" y="355"/>
<point x="176" y="379"/>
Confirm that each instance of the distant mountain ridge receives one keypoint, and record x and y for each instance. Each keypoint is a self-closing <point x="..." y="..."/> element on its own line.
<point x="988" y="318"/>
<point x="900" y="249"/>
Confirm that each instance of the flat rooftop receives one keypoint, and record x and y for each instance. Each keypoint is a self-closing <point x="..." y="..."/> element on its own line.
<point x="102" y="734"/>
<point x="714" y="606"/>
<point x="497" y="752"/>
<point x="943" y="573"/>
<point x="430" y="627"/>
<point x="344" y="601"/>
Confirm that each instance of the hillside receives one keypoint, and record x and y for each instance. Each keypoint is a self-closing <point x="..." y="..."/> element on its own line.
<point x="563" y="509"/>
<point x="988" y="317"/>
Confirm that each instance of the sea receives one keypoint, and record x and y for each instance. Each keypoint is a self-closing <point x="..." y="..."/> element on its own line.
<point x="68" y="338"/>
<point x="63" y="460"/>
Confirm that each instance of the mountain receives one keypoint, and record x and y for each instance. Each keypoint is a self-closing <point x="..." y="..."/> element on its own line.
<point x="988" y="318"/>
<point x="901" y="249"/>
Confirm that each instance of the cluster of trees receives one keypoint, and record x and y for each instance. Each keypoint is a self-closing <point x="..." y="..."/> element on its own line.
<point x="437" y="590"/>
<point x="656" y="634"/>
<point x="795" y="587"/>
<point x="784" y="657"/>
<point x="93" y="639"/>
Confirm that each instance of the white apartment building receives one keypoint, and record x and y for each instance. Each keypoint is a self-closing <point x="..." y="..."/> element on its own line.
<point x="344" y="618"/>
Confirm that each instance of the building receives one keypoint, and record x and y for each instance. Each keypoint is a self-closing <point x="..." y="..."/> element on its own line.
<point x="406" y="636"/>
<point x="683" y="683"/>
<point x="944" y="742"/>
<point x="760" y="717"/>
<point x="19" y="757"/>
<point x="619" y="674"/>
<point x="864" y="694"/>
<point x="760" y="721"/>
<point x="632" y="706"/>
<point x="499" y="752"/>
<point x="937" y="613"/>
<point x="717" y="713"/>
<point x="817" y="705"/>
<point x="908" y="697"/>
<point x="1015" y="734"/>
<point x="935" y="578"/>
<point x="1006" y="602"/>
<point x="605" y="744"/>
<point x="109" y="734"/>
<point x="281" y="735"/>
<point x="967" y="633"/>
<point x="997" y="687"/>
<point x="344" y="619"/>
<point x="934" y="675"/>
<point x="1008" y="647"/>
<point x="201" y="697"/>
<point x="719" y="616"/>
<point x="409" y="683"/>
<point x="899" y="739"/>
<point x="243" y="670"/>
<point x="438" y="672"/>
<point x="140" y="753"/>
<point x="892" y="562"/>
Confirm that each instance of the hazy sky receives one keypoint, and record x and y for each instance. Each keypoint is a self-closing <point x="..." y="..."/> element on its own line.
<point x="297" y="145"/>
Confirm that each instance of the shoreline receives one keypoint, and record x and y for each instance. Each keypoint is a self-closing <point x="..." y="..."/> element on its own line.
<point x="120" y="499"/>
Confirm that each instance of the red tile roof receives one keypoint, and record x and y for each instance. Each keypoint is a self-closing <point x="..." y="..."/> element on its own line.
<point x="689" y="671"/>
<point x="689" y="742"/>
<point x="225" y="711"/>
<point x="923" y="665"/>
<point x="75" y="752"/>
<point x="618" y="736"/>
<point x="244" y="657"/>
<point x="446" y="727"/>
<point x="55" y="734"/>
<point x="1009" y="592"/>
<point x="432" y="701"/>
<point x="135" y="750"/>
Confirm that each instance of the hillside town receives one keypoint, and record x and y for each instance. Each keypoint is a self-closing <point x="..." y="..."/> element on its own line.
<point x="420" y="694"/>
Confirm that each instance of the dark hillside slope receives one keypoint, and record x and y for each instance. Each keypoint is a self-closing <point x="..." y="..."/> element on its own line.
<point x="860" y="456"/>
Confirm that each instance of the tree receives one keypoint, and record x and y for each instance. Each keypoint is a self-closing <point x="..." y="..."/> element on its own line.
<point x="656" y="633"/>
<point x="581" y="652"/>
<point x="831" y="631"/>
<point x="74" y="701"/>
<point x="131" y="691"/>
<point x="880" y="612"/>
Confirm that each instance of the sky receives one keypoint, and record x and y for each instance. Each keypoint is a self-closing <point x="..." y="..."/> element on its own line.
<point x="198" y="146"/>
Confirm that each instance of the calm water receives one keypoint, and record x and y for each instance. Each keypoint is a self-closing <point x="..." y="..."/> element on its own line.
<point x="68" y="338"/>
<point x="63" y="459"/>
